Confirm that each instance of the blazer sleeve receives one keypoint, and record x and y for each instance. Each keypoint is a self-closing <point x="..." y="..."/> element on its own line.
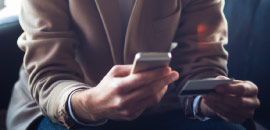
<point x="49" y="44"/>
<point x="201" y="36"/>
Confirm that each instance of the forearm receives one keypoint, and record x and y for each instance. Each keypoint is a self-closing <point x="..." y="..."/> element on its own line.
<point x="49" y="44"/>
<point x="54" y="104"/>
<point x="79" y="110"/>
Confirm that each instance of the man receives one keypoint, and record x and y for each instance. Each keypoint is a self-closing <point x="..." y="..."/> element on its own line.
<point x="78" y="56"/>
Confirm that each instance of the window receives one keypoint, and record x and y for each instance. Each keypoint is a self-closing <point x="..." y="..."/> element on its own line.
<point x="1" y="4"/>
<point x="9" y="8"/>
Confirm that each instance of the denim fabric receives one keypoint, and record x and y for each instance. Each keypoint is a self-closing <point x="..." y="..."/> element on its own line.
<point x="171" y="121"/>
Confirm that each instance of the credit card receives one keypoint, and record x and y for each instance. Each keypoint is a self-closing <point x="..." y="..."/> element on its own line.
<point x="201" y="87"/>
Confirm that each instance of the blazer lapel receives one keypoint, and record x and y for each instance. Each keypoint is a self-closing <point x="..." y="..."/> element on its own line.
<point x="110" y="16"/>
<point x="130" y="46"/>
<point x="147" y="32"/>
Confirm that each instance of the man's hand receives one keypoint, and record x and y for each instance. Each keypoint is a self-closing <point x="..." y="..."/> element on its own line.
<point x="121" y="95"/>
<point x="234" y="102"/>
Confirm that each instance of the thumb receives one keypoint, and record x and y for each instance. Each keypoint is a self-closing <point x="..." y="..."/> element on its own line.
<point x="222" y="77"/>
<point x="120" y="70"/>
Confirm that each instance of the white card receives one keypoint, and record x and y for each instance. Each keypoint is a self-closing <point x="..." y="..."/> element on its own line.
<point x="201" y="87"/>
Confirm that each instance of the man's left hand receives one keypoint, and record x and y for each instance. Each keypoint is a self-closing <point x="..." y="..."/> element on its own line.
<point x="234" y="102"/>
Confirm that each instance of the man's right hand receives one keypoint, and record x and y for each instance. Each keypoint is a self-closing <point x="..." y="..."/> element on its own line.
<point x="121" y="95"/>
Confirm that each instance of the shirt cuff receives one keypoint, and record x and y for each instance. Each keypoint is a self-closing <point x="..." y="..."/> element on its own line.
<point x="196" y="107"/>
<point x="75" y="119"/>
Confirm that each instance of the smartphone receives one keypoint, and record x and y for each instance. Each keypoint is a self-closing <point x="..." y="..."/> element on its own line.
<point x="145" y="61"/>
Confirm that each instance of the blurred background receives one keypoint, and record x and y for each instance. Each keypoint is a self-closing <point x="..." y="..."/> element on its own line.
<point x="10" y="55"/>
<point x="1" y="4"/>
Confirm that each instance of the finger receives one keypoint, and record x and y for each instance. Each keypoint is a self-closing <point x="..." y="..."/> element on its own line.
<point x="137" y="80"/>
<point x="242" y="107"/>
<point x="120" y="70"/>
<point x="132" y="111"/>
<point x="222" y="77"/>
<point x="225" y="112"/>
<point x="230" y="116"/>
<point x="244" y="88"/>
<point x="129" y="115"/>
<point x="235" y="102"/>
<point x="151" y="99"/>
<point x="149" y="91"/>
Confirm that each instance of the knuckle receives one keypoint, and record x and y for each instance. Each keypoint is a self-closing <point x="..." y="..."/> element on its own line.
<point x="156" y="99"/>
<point x="114" y="84"/>
<point x="116" y="68"/>
<point x="258" y="103"/>
<point x="250" y="83"/>
<point x="116" y="87"/>
<point x="138" y="78"/>
<point x="127" y="113"/>
<point x="122" y="105"/>
<point x="119" y="87"/>
<point x="242" y="89"/>
<point x="255" y="90"/>
<point x="246" y="81"/>
<point x="119" y="104"/>
<point x="241" y="102"/>
<point x="252" y="87"/>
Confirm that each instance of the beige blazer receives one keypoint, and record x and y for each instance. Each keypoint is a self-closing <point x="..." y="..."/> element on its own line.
<point x="71" y="44"/>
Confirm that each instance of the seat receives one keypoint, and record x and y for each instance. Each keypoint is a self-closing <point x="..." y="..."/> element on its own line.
<point x="249" y="48"/>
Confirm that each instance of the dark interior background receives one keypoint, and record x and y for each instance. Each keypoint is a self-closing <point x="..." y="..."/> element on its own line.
<point x="249" y="50"/>
<point x="10" y="57"/>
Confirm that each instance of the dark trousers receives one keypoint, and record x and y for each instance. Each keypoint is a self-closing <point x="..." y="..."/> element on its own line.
<point x="168" y="121"/>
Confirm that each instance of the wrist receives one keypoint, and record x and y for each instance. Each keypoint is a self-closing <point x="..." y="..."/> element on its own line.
<point x="77" y="106"/>
<point x="197" y="109"/>
<point x="81" y="103"/>
<point x="206" y="111"/>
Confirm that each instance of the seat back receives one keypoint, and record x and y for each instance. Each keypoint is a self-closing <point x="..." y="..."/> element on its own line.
<point x="249" y="47"/>
<point x="11" y="57"/>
